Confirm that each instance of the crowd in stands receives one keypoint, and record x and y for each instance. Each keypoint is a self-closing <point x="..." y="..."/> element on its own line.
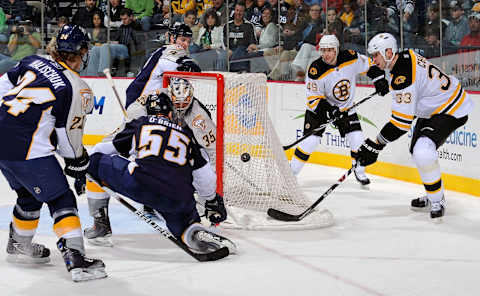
<point x="276" y="37"/>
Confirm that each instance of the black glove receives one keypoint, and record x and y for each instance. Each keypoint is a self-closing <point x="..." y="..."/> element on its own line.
<point x="381" y="85"/>
<point x="378" y="77"/>
<point x="368" y="152"/>
<point x="327" y="112"/>
<point x="215" y="209"/>
<point x="79" y="185"/>
<point x="77" y="167"/>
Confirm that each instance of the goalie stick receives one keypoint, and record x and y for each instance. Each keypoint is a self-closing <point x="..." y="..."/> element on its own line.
<point x="327" y="123"/>
<point x="202" y="257"/>
<point x="282" y="216"/>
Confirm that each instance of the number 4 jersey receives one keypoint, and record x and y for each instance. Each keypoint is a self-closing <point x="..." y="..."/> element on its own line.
<point x="43" y="108"/>
<point x="421" y="89"/>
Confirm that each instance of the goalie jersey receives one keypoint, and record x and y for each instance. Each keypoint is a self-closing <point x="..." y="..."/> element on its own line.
<point x="43" y="108"/>
<point x="335" y="83"/>
<point x="150" y="78"/>
<point x="165" y="154"/>
<point x="421" y="89"/>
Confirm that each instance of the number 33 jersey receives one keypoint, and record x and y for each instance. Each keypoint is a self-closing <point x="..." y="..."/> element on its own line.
<point x="421" y="89"/>
<point x="43" y="108"/>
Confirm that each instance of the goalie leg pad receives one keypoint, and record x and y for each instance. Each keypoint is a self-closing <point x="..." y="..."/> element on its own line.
<point x="198" y="237"/>
<point x="437" y="128"/>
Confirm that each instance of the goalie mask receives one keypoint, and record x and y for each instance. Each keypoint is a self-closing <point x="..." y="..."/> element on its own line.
<point x="181" y="93"/>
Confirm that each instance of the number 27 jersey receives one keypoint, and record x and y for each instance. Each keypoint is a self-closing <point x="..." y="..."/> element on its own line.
<point x="421" y="89"/>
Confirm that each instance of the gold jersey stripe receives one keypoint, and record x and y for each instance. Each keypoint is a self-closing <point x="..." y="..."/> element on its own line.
<point x="402" y="115"/>
<point x="454" y="95"/>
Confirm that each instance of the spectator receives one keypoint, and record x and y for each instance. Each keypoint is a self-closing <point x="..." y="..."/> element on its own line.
<point x="84" y="15"/>
<point x="458" y="26"/>
<point x="334" y="25"/>
<point x="346" y="15"/>
<point x="180" y="7"/>
<point x="126" y="44"/>
<point x="161" y="12"/>
<point x="15" y="10"/>
<point x="268" y="39"/>
<point x="115" y="9"/>
<point x="472" y="41"/>
<point x="332" y="3"/>
<point x="23" y="42"/>
<point x="287" y="51"/>
<point x="252" y="13"/>
<point x="433" y="19"/>
<point x="432" y="43"/>
<point x="99" y="53"/>
<point x="202" y="6"/>
<point x="301" y="13"/>
<point x="209" y="47"/>
<point x="240" y="37"/>
<point x="279" y="18"/>
<point x="143" y="11"/>
<point x="190" y="20"/>
<point x="221" y="9"/>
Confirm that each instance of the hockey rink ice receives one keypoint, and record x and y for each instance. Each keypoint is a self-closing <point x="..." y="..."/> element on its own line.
<point x="377" y="246"/>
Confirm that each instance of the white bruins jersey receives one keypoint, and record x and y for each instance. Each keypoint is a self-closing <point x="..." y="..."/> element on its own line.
<point x="421" y="89"/>
<point x="335" y="83"/>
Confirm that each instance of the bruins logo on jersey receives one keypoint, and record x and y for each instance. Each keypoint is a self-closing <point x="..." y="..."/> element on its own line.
<point x="341" y="90"/>
<point x="400" y="79"/>
<point x="313" y="71"/>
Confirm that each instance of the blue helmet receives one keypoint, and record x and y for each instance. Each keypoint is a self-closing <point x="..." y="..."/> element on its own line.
<point x="158" y="104"/>
<point x="72" y="38"/>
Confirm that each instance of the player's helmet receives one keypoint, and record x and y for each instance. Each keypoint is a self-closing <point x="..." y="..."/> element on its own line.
<point x="181" y="30"/>
<point x="329" y="41"/>
<point x="380" y="43"/>
<point x="158" y="103"/>
<point x="72" y="38"/>
<point x="188" y="65"/>
<point x="181" y="93"/>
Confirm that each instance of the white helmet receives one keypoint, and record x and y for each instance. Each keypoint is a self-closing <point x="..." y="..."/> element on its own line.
<point x="381" y="42"/>
<point x="329" y="41"/>
<point x="181" y="93"/>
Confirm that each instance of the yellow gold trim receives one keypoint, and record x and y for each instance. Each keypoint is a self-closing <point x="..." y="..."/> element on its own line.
<point x="66" y="225"/>
<point x="455" y="93"/>
<point x="404" y="116"/>
<point x="432" y="182"/>
<point x="66" y="66"/>
<point x="395" y="171"/>
<point x="414" y="65"/>
<point x="303" y="151"/>
<point x="458" y="104"/>
<point x="93" y="187"/>
<point x="400" y="125"/>
<point x="339" y="67"/>
<point x="25" y="224"/>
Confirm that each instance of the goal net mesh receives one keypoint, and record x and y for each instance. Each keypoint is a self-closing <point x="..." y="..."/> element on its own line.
<point x="254" y="174"/>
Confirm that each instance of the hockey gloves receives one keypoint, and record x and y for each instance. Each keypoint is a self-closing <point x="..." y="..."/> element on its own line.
<point x="368" y="152"/>
<point x="215" y="209"/>
<point x="77" y="167"/>
<point x="378" y="77"/>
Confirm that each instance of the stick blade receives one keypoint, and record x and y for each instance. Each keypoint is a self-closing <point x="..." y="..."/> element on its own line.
<point x="282" y="216"/>
<point x="213" y="256"/>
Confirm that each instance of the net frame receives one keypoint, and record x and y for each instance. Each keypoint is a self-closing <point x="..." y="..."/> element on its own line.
<point x="243" y="217"/>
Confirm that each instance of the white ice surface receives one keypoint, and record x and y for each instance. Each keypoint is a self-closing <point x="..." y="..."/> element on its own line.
<point x="377" y="246"/>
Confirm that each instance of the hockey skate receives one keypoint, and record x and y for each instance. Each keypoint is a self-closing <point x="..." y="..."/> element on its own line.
<point x="359" y="172"/>
<point x="100" y="234"/>
<point x="438" y="209"/>
<point x="22" y="250"/>
<point x="421" y="204"/>
<point x="80" y="267"/>
<point x="199" y="238"/>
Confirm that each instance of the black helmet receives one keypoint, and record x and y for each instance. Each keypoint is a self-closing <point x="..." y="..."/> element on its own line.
<point x="158" y="104"/>
<point x="181" y="30"/>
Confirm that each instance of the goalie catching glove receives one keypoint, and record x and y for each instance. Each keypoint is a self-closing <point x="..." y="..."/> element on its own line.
<point x="77" y="167"/>
<point x="368" y="152"/>
<point x="215" y="210"/>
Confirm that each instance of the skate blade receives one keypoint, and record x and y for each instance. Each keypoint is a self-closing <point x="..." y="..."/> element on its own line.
<point x="217" y="241"/>
<point x="104" y="241"/>
<point x="80" y="275"/>
<point x="365" y="187"/>
<point x="24" y="259"/>
<point x="421" y="210"/>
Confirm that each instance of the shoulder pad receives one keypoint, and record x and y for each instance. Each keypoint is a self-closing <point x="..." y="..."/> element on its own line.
<point x="318" y="68"/>
<point x="402" y="72"/>
<point x="173" y="52"/>
<point x="346" y="56"/>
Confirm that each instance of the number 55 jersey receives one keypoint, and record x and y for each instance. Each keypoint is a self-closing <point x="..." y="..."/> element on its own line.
<point x="43" y="108"/>
<point x="421" y="89"/>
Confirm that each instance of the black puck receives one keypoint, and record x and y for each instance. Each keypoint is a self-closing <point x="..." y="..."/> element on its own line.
<point x="245" y="157"/>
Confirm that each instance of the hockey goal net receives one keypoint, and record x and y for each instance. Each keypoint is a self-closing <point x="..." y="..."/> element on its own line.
<point x="252" y="170"/>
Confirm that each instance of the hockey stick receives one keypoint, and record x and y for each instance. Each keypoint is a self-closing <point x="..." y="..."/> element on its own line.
<point x="282" y="216"/>
<point x="327" y="123"/>
<point x="202" y="257"/>
<point x="117" y="96"/>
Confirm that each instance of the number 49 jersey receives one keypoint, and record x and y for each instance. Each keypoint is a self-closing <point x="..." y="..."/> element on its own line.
<point x="421" y="89"/>
<point x="43" y="108"/>
<point x="165" y="154"/>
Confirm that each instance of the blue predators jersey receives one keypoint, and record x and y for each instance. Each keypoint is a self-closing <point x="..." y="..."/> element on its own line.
<point x="165" y="153"/>
<point x="43" y="109"/>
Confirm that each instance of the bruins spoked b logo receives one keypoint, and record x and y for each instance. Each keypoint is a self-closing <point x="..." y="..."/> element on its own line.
<point x="341" y="90"/>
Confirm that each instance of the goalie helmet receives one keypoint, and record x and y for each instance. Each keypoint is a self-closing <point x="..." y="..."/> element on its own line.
<point x="181" y="93"/>
<point x="380" y="43"/>
<point x="158" y="103"/>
